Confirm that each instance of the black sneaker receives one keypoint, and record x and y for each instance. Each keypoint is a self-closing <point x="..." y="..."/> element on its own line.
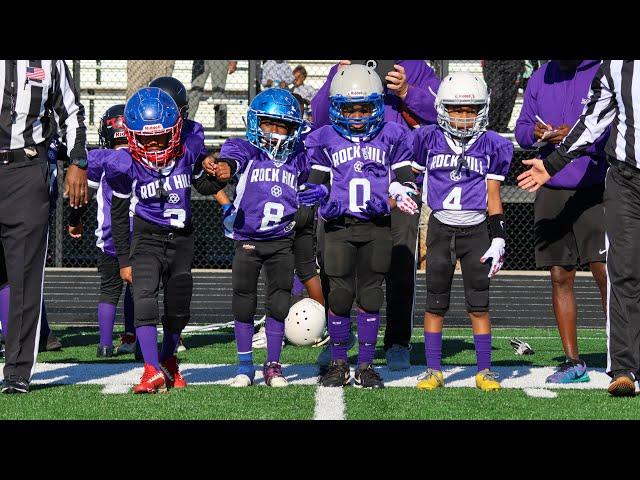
<point x="15" y="384"/>
<point x="50" y="343"/>
<point x="367" y="377"/>
<point x="104" y="351"/>
<point x="338" y="374"/>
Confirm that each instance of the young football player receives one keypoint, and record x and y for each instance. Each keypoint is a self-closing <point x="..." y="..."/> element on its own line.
<point x="261" y="222"/>
<point x="153" y="179"/>
<point x="111" y="135"/>
<point x="353" y="156"/>
<point x="465" y="165"/>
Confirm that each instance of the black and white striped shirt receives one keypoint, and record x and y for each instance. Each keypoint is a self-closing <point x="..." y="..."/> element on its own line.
<point x="37" y="96"/>
<point x="614" y="97"/>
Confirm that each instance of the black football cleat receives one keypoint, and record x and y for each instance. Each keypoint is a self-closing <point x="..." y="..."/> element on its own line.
<point x="367" y="377"/>
<point x="338" y="374"/>
<point x="15" y="384"/>
<point x="104" y="351"/>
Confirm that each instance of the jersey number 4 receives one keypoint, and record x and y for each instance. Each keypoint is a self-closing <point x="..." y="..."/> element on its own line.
<point x="452" y="202"/>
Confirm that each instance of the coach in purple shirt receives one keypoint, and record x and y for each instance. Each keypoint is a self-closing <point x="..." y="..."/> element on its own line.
<point x="568" y="211"/>
<point x="409" y="99"/>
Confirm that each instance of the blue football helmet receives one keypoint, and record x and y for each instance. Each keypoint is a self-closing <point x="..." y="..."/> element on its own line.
<point x="152" y="112"/>
<point x="356" y="84"/>
<point x="278" y="104"/>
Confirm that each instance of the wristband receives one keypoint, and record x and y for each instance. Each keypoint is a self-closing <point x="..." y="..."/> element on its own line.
<point x="496" y="226"/>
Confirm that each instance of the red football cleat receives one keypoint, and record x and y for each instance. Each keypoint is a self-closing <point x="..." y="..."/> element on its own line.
<point x="171" y="371"/>
<point x="152" y="381"/>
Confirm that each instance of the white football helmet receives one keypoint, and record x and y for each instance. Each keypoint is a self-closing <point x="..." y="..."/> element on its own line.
<point x="305" y="323"/>
<point x="463" y="88"/>
<point x="356" y="84"/>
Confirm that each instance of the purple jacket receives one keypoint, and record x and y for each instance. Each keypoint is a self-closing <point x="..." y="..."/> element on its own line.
<point x="420" y="100"/>
<point x="559" y="97"/>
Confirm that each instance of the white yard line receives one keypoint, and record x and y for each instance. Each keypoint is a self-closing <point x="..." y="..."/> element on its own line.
<point x="111" y="375"/>
<point x="329" y="404"/>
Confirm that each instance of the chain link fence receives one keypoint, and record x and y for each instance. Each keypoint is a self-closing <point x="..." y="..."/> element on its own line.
<point x="219" y="92"/>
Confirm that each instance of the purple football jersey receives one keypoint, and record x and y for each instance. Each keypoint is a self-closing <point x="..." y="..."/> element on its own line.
<point x="488" y="156"/>
<point x="128" y="177"/>
<point x="359" y="170"/>
<point x="96" y="179"/>
<point x="265" y="199"/>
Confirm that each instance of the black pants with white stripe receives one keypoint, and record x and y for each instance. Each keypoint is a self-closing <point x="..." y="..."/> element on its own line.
<point x="24" y="223"/>
<point x="622" y="219"/>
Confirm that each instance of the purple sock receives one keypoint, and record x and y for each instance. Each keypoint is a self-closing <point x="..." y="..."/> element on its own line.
<point x="483" y="350"/>
<point x="148" y="340"/>
<point x="169" y="343"/>
<point x="433" y="349"/>
<point x="44" y="323"/>
<point x="128" y="311"/>
<point x="106" y="319"/>
<point x="339" y="328"/>
<point x="5" y="293"/>
<point x="244" y="340"/>
<point x="275" y="334"/>
<point x="298" y="286"/>
<point x="368" y="325"/>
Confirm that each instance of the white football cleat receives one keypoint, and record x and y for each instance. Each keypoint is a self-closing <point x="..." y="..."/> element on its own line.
<point x="241" y="381"/>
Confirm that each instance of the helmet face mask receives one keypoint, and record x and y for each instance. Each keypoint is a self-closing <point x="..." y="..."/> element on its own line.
<point x="274" y="123"/>
<point x="462" y="105"/>
<point x="356" y="102"/>
<point x="152" y="124"/>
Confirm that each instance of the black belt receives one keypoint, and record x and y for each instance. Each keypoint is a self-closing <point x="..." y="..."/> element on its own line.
<point x="143" y="226"/>
<point x="23" y="154"/>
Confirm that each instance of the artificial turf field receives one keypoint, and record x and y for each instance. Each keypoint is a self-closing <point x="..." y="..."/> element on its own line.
<point x="73" y="384"/>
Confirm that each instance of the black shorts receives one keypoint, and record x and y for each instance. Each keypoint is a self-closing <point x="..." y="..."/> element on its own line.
<point x="447" y="244"/>
<point x="569" y="226"/>
<point x="304" y="247"/>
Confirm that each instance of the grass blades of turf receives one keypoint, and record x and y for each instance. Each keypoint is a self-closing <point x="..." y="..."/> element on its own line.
<point x="205" y="402"/>
<point x="473" y="404"/>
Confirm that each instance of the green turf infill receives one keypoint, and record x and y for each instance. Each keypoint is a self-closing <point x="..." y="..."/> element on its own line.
<point x="208" y="402"/>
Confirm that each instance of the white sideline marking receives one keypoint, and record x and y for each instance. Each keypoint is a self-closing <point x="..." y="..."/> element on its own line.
<point x="329" y="404"/>
<point x="120" y="377"/>
<point x="540" y="393"/>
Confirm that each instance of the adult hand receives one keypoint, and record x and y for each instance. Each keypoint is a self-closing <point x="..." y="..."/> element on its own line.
<point x="540" y="129"/>
<point x="232" y="66"/>
<point x="126" y="274"/>
<point x="75" y="230"/>
<point x="496" y="254"/>
<point x="535" y="177"/>
<point x="397" y="82"/>
<point x="561" y="132"/>
<point x="343" y="63"/>
<point x="76" y="187"/>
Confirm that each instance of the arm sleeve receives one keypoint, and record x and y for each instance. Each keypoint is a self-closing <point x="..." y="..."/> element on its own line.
<point x="204" y="183"/>
<point x="527" y="120"/>
<point x="596" y="117"/>
<point x="68" y="111"/>
<point x="120" y="229"/>
<point x="421" y="95"/>
<point x="500" y="162"/>
<point x="320" y="101"/>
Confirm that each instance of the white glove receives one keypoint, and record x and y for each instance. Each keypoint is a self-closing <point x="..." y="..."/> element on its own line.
<point x="496" y="254"/>
<point x="400" y="193"/>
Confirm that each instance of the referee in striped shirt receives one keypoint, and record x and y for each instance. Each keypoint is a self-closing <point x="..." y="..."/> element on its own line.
<point x="614" y="97"/>
<point x="37" y="97"/>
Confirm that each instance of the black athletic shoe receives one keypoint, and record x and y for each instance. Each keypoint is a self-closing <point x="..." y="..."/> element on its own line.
<point x="50" y="343"/>
<point x="104" y="351"/>
<point x="338" y="374"/>
<point x="367" y="377"/>
<point x="15" y="384"/>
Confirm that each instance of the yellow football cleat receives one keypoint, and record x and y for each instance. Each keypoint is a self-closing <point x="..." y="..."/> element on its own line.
<point x="487" y="380"/>
<point x="430" y="380"/>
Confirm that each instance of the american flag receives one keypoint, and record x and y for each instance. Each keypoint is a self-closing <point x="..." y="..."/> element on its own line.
<point x="35" y="73"/>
